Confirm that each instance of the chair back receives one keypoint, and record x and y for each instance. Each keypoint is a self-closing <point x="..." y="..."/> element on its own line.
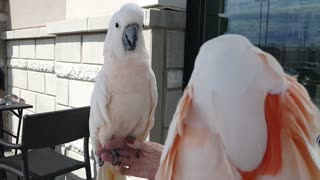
<point x="54" y="128"/>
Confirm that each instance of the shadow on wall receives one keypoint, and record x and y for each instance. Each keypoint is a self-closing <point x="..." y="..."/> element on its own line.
<point x="8" y="11"/>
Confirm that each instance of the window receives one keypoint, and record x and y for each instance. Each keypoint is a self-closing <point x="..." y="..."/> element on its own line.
<point x="288" y="29"/>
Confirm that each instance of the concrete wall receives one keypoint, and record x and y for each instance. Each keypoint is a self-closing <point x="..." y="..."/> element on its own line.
<point x="3" y="27"/>
<point x="35" y="13"/>
<point x="168" y="53"/>
<point x="90" y="8"/>
<point x="57" y="71"/>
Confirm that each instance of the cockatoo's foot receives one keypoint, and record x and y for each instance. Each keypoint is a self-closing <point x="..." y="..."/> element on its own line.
<point x="130" y="138"/>
<point x="115" y="157"/>
<point x="100" y="162"/>
<point x="138" y="153"/>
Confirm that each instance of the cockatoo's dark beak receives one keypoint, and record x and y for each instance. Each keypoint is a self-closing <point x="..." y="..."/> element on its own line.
<point x="130" y="37"/>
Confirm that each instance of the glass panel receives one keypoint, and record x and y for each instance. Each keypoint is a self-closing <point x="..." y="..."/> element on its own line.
<point x="288" y="29"/>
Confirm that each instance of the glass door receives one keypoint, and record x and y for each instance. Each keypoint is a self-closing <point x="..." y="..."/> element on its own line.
<point x="288" y="29"/>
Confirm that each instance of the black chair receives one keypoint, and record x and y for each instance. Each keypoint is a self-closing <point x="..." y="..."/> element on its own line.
<point x="41" y="133"/>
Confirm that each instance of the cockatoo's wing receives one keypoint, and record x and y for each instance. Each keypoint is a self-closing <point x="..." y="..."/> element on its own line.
<point x="154" y="101"/>
<point x="98" y="111"/>
<point x="293" y="127"/>
<point x="169" y="152"/>
<point x="301" y="124"/>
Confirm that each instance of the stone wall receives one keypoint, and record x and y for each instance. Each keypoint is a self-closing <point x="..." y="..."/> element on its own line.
<point x="33" y="13"/>
<point x="3" y="27"/>
<point x="54" y="67"/>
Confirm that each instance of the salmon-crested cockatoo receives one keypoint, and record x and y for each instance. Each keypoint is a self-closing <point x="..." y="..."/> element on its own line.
<point x="124" y="98"/>
<point x="241" y="118"/>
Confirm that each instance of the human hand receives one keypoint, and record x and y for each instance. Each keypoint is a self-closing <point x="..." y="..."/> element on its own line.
<point x="136" y="158"/>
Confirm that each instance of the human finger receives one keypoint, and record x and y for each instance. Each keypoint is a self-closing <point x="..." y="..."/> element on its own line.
<point x="115" y="144"/>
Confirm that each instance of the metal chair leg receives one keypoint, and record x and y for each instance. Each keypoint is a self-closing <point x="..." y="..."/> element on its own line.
<point x="3" y="174"/>
<point x="1" y="135"/>
<point x="20" y="112"/>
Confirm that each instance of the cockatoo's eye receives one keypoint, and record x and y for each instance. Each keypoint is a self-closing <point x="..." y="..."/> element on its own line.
<point x="117" y="25"/>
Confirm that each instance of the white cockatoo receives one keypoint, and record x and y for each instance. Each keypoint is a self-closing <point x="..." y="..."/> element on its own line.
<point x="124" y="98"/>
<point x="241" y="118"/>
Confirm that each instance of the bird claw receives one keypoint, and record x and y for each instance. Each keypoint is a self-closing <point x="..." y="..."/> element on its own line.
<point x="100" y="162"/>
<point x="115" y="154"/>
<point x="130" y="138"/>
<point x="115" y="157"/>
<point x="138" y="153"/>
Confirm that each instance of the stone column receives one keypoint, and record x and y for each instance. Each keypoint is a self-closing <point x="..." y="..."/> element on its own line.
<point x="3" y="54"/>
<point x="3" y="27"/>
